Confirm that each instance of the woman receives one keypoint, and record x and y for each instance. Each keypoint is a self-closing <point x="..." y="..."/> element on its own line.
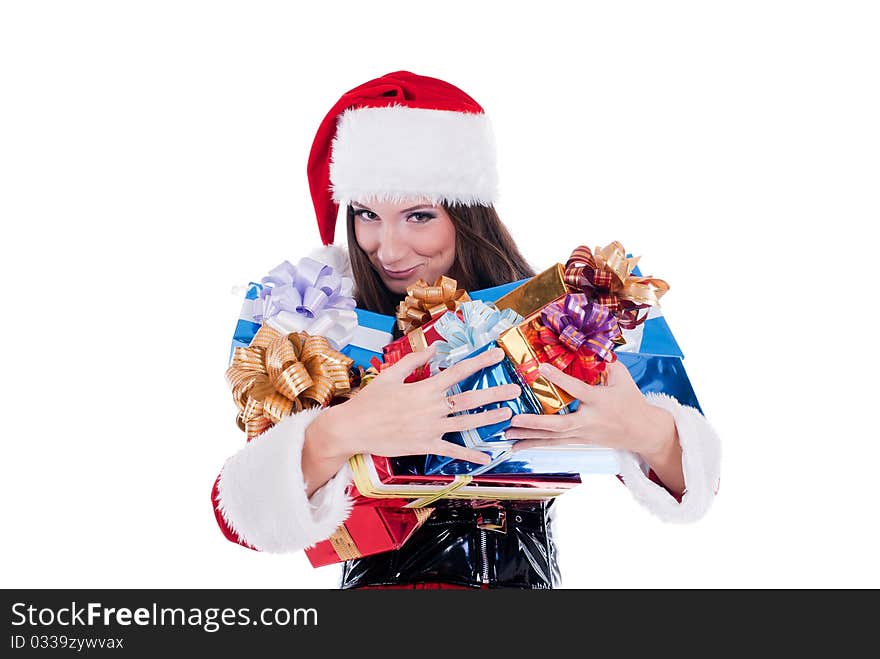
<point x="413" y="160"/>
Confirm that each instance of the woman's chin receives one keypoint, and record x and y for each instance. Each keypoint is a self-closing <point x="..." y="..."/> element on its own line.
<point x="398" y="286"/>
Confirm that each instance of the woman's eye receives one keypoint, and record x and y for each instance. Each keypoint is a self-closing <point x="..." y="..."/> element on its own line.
<point x="364" y="214"/>
<point x="421" y="218"/>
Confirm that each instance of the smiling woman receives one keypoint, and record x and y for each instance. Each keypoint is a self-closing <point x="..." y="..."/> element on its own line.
<point x="412" y="159"/>
<point x="468" y="243"/>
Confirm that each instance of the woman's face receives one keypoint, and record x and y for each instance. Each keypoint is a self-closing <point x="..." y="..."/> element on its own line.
<point x="405" y="241"/>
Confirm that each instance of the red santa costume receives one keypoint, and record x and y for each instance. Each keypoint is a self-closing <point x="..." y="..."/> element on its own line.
<point x="371" y="145"/>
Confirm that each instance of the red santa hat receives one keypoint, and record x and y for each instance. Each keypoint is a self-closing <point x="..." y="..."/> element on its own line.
<point x="399" y="136"/>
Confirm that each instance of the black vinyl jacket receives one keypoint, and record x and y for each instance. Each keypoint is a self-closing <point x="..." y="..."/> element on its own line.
<point x="501" y="544"/>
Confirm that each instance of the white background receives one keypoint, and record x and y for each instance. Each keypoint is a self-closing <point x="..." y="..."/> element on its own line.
<point x="152" y="156"/>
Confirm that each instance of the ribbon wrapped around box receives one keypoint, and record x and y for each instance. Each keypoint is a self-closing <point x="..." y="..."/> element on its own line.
<point x="380" y="477"/>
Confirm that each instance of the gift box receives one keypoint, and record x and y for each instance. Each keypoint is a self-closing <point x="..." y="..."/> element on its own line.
<point x="246" y="327"/>
<point x="374" y="526"/>
<point x="310" y="297"/>
<point x="419" y="337"/>
<point x="536" y="292"/>
<point x="571" y="333"/>
<point x="518" y="349"/>
<point x="416" y="340"/>
<point x="373" y="332"/>
<point x="651" y="373"/>
<point x="653" y="336"/>
<point x="490" y="295"/>
<point x="537" y="461"/>
<point x="504" y="372"/>
<point x="528" y="299"/>
<point x="403" y="478"/>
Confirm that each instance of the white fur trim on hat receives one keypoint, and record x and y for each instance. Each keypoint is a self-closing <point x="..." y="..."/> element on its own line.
<point x="262" y="492"/>
<point x="395" y="153"/>
<point x="700" y="461"/>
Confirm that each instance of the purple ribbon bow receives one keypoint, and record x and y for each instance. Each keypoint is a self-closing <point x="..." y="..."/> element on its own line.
<point x="308" y="297"/>
<point x="576" y="321"/>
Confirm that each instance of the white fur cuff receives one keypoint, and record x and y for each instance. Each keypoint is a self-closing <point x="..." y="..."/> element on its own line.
<point x="262" y="492"/>
<point x="700" y="461"/>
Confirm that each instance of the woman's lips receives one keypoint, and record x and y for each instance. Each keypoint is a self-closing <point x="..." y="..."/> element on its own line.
<point x="404" y="274"/>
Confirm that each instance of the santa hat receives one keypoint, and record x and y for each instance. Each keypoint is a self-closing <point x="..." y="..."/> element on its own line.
<point x="398" y="136"/>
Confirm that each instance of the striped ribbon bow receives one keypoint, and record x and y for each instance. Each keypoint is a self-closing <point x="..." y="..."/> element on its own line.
<point x="577" y="336"/>
<point x="604" y="276"/>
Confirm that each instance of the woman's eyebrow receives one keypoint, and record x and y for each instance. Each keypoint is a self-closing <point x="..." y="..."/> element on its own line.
<point x="405" y="210"/>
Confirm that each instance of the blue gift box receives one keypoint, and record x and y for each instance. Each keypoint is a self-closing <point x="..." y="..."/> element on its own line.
<point x="245" y="327"/>
<point x="653" y="337"/>
<point x="488" y="295"/>
<point x="374" y="330"/>
<point x="651" y="373"/>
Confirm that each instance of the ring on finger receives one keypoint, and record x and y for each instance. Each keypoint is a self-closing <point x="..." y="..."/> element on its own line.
<point x="450" y="403"/>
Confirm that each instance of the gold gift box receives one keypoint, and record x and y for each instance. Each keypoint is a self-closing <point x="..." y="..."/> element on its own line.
<point x="516" y="343"/>
<point x="528" y="300"/>
<point x="536" y="293"/>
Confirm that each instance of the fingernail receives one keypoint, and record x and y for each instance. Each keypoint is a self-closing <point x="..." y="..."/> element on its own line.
<point x="544" y="369"/>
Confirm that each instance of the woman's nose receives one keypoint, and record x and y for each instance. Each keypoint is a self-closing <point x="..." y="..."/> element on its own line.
<point x="392" y="247"/>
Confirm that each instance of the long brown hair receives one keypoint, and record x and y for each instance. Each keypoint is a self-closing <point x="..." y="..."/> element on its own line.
<point x="485" y="255"/>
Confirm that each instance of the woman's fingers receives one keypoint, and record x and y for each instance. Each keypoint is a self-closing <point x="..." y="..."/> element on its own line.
<point x="466" y="367"/>
<point x="461" y="422"/>
<point x="468" y="400"/>
<point x="550" y="422"/>
<point x="580" y="390"/>
<point x="457" y="452"/>
<point x="410" y="362"/>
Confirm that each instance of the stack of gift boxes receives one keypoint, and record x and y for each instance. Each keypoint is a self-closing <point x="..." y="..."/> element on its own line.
<point x="301" y="342"/>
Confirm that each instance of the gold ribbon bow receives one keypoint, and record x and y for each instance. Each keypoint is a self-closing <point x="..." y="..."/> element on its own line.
<point x="605" y="276"/>
<point x="424" y="302"/>
<point x="279" y="374"/>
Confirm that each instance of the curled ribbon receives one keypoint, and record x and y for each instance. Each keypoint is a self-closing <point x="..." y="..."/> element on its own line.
<point x="605" y="277"/>
<point x="424" y="302"/>
<point x="577" y="337"/>
<point x="308" y="297"/>
<point x="280" y="374"/>
<point x="479" y="325"/>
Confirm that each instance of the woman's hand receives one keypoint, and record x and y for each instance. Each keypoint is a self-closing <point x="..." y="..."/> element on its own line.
<point x="614" y="416"/>
<point x="389" y="417"/>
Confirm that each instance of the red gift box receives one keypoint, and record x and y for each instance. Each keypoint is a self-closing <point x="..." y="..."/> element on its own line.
<point x="374" y="526"/>
<point x="376" y="477"/>
<point x="416" y="340"/>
